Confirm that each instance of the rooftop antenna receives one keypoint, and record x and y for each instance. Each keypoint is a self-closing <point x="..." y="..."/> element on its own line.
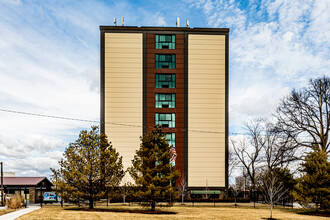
<point x="115" y="21"/>
<point x="187" y="23"/>
<point x="177" y="22"/>
<point x="122" y="20"/>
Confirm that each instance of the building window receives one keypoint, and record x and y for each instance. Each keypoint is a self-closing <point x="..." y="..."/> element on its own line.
<point x="165" y="120"/>
<point x="165" y="100"/>
<point x="165" y="81"/>
<point x="165" y="41"/>
<point x="170" y="138"/>
<point x="165" y="61"/>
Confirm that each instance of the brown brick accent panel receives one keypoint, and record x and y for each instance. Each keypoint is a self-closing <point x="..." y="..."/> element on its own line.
<point x="32" y="194"/>
<point x="179" y="91"/>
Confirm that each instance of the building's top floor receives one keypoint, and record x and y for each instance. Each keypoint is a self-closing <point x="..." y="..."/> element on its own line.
<point x="136" y="29"/>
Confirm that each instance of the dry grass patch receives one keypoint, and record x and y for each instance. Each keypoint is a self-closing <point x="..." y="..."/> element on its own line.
<point x="222" y="211"/>
<point x="15" y="202"/>
<point x="5" y="211"/>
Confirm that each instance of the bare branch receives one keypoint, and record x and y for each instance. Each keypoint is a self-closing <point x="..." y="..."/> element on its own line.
<point x="304" y="115"/>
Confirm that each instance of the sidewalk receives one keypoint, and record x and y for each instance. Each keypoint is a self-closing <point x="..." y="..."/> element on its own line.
<point x="18" y="213"/>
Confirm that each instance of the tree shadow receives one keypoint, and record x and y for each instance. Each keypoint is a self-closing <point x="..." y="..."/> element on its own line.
<point x="315" y="213"/>
<point x="156" y="212"/>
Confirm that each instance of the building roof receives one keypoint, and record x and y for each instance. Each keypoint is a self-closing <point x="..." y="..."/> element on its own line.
<point x="143" y="28"/>
<point x="19" y="181"/>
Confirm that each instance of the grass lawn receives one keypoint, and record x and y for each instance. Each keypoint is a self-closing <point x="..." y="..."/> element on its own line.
<point x="5" y="211"/>
<point x="202" y="211"/>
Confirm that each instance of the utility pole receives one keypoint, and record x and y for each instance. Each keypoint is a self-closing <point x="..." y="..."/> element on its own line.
<point x="2" y="196"/>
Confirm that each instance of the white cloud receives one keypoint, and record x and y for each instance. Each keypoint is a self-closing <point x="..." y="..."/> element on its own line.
<point x="160" y="20"/>
<point x="49" y="64"/>
<point x="32" y="166"/>
<point x="225" y="12"/>
<point x="12" y="2"/>
<point x="271" y="50"/>
<point x="46" y="70"/>
<point x="208" y="6"/>
<point x="30" y="155"/>
<point x="258" y="99"/>
<point x="25" y="146"/>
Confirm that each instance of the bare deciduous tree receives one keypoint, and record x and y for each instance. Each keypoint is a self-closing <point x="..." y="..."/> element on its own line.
<point x="206" y="190"/>
<point x="304" y="115"/>
<point x="279" y="149"/>
<point x="249" y="154"/>
<point x="124" y="188"/>
<point x="236" y="188"/>
<point x="233" y="162"/>
<point x="273" y="189"/>
<point x="183" y="185"/>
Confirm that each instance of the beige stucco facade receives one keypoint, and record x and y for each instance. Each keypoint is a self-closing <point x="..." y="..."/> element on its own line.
<point x="123" y="92"/>
<point x="206" y="110"/>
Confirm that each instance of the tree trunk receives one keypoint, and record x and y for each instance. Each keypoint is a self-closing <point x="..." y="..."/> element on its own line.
<point x="91" y="204"/>
<point x="271" y="211"/>
<point x="254" y="196"/>
<point x="153" y="205"/>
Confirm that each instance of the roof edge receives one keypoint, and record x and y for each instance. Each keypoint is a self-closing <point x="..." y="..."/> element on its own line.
<point x="38" y="180"/>
<point x="151" y="28"/>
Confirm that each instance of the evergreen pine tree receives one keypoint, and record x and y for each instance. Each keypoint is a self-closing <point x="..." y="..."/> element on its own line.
<point x="152" y="171"/>
<point x="91" y="166"/>
<point x="314" y="185"/>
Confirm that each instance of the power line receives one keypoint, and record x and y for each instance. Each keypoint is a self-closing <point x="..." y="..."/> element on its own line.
<point x="98" y="122"/>
<point x="47" y="116"/>
<point x="113" y="123"/>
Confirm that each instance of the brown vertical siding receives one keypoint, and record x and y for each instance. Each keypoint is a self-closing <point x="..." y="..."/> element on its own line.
<point x="179" y="91"/>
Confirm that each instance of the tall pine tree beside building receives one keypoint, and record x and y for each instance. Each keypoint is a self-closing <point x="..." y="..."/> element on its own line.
<point x="152" y="171"/>
<point x="314" y="185"/>
<point x="90" y="168"/>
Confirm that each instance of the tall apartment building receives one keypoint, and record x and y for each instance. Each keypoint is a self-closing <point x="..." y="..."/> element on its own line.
<point x="174" y="77"/>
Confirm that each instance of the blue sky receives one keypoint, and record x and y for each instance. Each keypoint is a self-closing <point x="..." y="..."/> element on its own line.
<point x="49" y="62"/>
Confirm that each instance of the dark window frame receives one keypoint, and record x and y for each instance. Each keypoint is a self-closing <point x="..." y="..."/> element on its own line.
<point x="165" y="61"/>
<point x="165" y="43"/>
<point x="165" y="80"/>
<point x="162" y="99"/>
<point x="166" y="120"/>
